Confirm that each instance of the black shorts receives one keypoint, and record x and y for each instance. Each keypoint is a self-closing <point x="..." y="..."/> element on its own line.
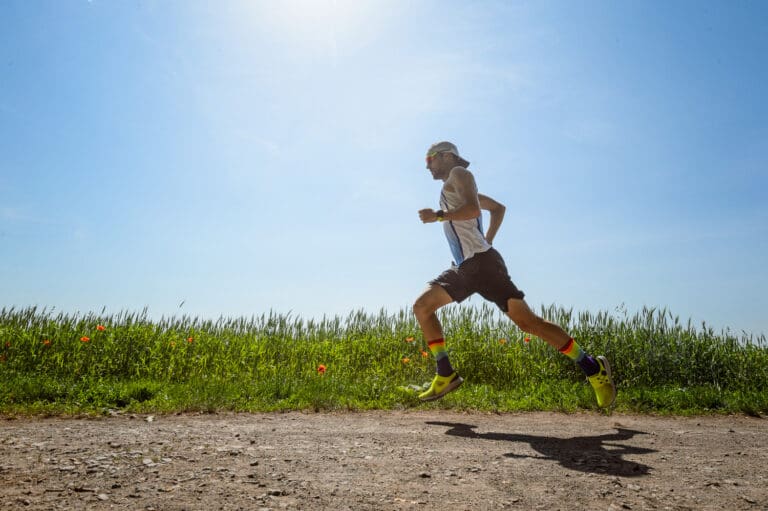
<point x="483" y="273"/>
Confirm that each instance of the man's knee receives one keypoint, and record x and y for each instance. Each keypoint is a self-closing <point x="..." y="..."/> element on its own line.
<point x="431" y="300"/>
<point x="524" y="323"/>
<point x="525" y="319"/>
<point x="418" y="308"/>
<point x="422" y="307"/>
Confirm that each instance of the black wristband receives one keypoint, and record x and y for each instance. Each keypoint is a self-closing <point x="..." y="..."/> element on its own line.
<point x="440" y="214"/>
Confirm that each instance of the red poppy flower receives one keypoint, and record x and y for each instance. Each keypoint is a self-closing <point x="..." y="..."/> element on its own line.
<point x="321" y="369"/>
<point x="406" y="360"/>
<point x="190" y="340"/>
<point x="424" y="354"/>
<point x="409" y="339"/>
<point x="527" y="339"/>
<point x="100" y="328"/>
<point x="46" y="342"/>
<point x="85" y="339"/>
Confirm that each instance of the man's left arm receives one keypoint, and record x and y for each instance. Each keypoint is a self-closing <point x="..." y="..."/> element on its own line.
<point x="463" y="182"/>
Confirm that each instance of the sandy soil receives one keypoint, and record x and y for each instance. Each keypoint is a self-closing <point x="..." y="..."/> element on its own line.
<point x="384" y="460"/>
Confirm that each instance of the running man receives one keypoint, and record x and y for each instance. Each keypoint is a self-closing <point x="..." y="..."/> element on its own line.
<point x="480" y="269"/>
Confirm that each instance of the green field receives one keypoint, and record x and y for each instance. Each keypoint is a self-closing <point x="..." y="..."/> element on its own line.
<point x="58" y="363"/>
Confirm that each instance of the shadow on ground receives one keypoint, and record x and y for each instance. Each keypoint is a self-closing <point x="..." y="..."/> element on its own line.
<point x="597" y="454"/>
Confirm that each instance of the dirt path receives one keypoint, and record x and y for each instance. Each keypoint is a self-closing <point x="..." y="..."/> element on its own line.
<point x="385" y="460"/>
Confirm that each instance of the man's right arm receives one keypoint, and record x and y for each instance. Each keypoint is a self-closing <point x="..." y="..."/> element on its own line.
<point x="497" y="210"/>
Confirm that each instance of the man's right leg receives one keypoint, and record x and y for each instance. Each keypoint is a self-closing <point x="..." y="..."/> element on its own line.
<point x="597" y="369"/>
<point x="425" y="309"/>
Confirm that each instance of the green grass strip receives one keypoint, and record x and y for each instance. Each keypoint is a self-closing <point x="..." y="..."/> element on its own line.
<point x="58" y="363"/>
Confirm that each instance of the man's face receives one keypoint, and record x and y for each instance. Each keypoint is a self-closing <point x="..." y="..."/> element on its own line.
<point x="438" y="165"/>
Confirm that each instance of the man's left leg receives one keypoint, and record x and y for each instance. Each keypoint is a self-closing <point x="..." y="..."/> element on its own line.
<point x="425" y="308"/>
<point x="597" y="369"/>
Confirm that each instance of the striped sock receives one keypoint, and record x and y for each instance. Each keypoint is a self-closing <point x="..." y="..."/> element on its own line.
<point x="587" y="363"/>
<point x="437" y="347"/>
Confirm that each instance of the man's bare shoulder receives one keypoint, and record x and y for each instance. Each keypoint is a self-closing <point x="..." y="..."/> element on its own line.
<point x="460" y="180"/>
<point x="460" y="173"/>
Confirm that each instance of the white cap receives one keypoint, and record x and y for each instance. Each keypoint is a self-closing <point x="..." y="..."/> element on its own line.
<point x="448" y="147"/>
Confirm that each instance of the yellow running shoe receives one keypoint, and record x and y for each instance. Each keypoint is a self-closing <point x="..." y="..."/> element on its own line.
<point x="602" y="382"/>
<point x="441" y="385"/>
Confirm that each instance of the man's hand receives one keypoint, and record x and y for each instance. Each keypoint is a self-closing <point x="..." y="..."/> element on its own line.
<point x="428" y="215"/>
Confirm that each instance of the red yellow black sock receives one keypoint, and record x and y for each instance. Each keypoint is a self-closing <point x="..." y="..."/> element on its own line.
<point x="587" y="363"/>
<point x="437" y="347"/>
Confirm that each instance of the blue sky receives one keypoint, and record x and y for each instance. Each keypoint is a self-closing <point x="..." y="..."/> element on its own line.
<point x="248" y="156"/>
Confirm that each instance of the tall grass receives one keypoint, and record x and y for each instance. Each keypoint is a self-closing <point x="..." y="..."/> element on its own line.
<point x="88" y="362"/>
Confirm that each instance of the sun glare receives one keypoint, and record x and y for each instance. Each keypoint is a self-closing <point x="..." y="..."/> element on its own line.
<point x="325" y="26"/>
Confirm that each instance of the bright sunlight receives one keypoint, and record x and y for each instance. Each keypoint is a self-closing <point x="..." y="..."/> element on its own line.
<point x="328" y="27"/>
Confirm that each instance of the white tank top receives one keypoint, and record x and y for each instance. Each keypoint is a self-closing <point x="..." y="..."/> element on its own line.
<point x="465" y="237"/>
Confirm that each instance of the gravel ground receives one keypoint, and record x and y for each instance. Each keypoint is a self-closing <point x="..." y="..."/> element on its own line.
<point x="384" y="460"/>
